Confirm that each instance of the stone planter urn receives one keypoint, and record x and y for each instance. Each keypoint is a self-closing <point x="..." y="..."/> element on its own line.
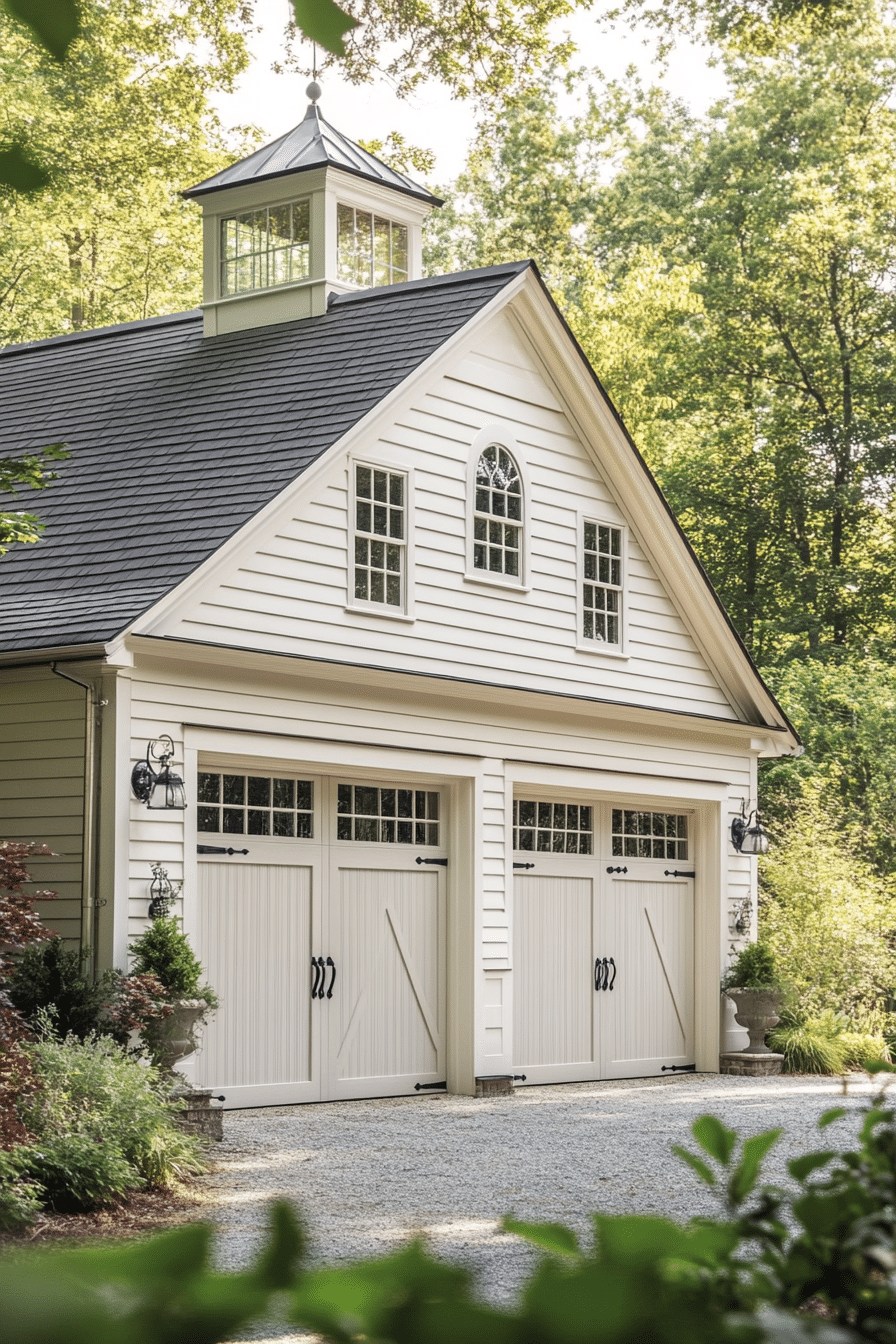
<point x="757" y="1011"/>
<point x="174" y="1037"/>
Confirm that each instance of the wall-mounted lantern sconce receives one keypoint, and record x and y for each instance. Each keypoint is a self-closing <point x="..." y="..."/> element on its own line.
<point x="162" y="891"/>
<point x="749" y="838"/>
<point x="161" y="789"/>
<point x="740" y="919"/>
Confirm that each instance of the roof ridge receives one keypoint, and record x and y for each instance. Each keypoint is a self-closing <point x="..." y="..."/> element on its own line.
<point x="114" y="329"/>
<point x="507" y="268"/>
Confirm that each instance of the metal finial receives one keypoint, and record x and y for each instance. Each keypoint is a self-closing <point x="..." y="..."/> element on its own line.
<point x="314" y="91"/>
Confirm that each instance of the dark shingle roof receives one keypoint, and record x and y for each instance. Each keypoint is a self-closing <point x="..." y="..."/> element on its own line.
<point x="314" y="143"/>
<point x="176" y="441"/>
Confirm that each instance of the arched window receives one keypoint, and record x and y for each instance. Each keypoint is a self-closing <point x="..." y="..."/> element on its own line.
<point x="498" y="514"/>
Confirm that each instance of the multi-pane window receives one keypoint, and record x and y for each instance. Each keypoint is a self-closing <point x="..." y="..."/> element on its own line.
<point x="370" y="250"/>
<point x="380" y="536"/>
<point x="602" y="585"/>
<point x="265" y="247"/>
<point x="498" y="514"/>
<point x="239" y="804"/>
<point x="387" y="816"/>
<point x="649" y="835"/>
<point x="555" y="828"/>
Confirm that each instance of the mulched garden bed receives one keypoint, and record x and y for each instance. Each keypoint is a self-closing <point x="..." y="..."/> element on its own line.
<point x="143" y="1214"/>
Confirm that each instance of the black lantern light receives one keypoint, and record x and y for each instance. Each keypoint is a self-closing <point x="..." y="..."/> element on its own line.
<point x="162" y="891"/>
<point x="748" y="836"/>
<point x="161" y="789"/>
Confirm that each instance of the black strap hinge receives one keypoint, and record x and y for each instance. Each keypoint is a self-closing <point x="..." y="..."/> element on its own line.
<point x="218" y="849"/>
<point x="524" y="865"/>
<point x="442" y="863"/>
<point x="428" y="1087"/>
<point x="677" y="873"/>
<point x="679" y="1068"/>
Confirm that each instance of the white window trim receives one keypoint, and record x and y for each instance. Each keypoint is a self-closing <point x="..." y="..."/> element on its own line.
<point x="499" y="435"/>
<point x="406" y="611"/>
<point x="593" y="647"/>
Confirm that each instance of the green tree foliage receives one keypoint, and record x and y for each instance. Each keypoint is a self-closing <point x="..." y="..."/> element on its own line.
<point x="120" y="126"/>
<point x="732" y="281"/>
<point x="845" y="712"/>
<point x="827" y="917"/>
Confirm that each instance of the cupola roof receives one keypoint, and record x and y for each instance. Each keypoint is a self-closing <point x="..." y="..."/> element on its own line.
<point x="314" y="143"/>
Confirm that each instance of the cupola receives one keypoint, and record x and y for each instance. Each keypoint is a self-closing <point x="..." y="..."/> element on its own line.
<point x="308" y="215"/>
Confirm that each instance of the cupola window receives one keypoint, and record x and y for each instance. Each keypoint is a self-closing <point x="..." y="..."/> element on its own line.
<point x="370" y="250"/>
<point x="498" y="514"/>
<point x="264" y="248"/>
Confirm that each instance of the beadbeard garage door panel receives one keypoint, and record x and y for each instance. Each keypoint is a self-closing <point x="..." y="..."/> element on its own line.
<point x="645" y="923"/>
<point x="553" y="995"/>
<point x="384" y="1028"/>
<point x="254" y="938"/>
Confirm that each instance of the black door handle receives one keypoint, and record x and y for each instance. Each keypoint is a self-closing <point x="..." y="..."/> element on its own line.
<point x="316" y="970"/>
<point x="330" y="962"/>
<point x="323" y="976"/>
<point x="601" y="971"/>
<point x="597" y="973"/>
<point x="613" y="981"/>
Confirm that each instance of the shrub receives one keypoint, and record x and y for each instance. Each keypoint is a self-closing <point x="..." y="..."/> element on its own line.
<point x="863" y="1047"/>
<point x="753" y="968"/>
<point x="813" y="1045"/>
<point x="20" y="1198"/>
<point x="97" y="1090"/>
<point x="827" y="917"/>
<point x="78" y="1172"/>
<point x="163" y="950"/>
<point x="52" y="977"/>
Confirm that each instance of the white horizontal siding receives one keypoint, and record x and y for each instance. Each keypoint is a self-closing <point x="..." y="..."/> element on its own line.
<point x="42" y="731"/>
<point x="289" y="593"/>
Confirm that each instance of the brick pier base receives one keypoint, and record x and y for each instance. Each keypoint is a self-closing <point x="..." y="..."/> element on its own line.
<point x="202" y="1114"/>
<point x="751" y="1066"/>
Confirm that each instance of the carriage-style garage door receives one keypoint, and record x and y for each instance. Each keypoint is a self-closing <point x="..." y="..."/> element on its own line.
<point x="326" y="942"/>
<point x="603" y="942"/>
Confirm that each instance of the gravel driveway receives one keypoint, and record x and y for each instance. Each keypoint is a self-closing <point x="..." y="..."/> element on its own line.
<point x="369" y="1174"/>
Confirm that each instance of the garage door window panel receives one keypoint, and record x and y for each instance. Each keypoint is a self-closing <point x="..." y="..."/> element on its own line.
<point x="242" y="804"/>
<point x="649" y="835"/>
<point x="552" y="828"/>
<point x="393" y="816"/>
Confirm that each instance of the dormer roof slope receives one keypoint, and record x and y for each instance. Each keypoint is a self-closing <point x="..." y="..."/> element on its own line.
<point x="176" y="442"/>
<point x="314" y="143"/>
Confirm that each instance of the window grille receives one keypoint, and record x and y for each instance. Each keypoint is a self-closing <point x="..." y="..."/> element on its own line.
<point x="556" y="828"/>
<point x="498" y="514"/>
<point x="370" y="250"/>
<point x="391" y="816"/>
<point x="649" y="835"/>
<point x="380" y="536"/>
<point x="232" y="804"/>
<point x="602" y="587"/>
<point x="264" y="248"/>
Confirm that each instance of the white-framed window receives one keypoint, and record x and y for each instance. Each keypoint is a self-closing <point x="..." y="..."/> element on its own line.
<point x="263" y="248"/>
<point x="370" y="250"/>
<point x="378" y="567"/>
<point x="648" y="835"/>
<point x="602" y="571"/>
<point x="497" y="496"/>
<point x="393" y="815"/>
<point x="235" y="802"/>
